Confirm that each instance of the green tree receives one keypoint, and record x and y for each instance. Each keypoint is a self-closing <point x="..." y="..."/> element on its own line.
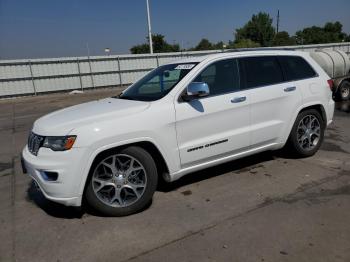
<point x="282" y="39"/>
<point x="230" y="44"/>
<point x="140" y="49"/>
<point x="219" y="45"/>
<point x="259" y="30"/>
<point x="311" y="35"/>
<point x="159" y="46"/>
<point x="331" y="32"/>
<point x="204" y="44"/>
<point x="334" y="32"/>
<point x="245" y="43"/>
<point x="347" y="38"/>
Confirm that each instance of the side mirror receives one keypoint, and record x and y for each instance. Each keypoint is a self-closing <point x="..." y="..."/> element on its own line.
<point x="195" y="90"/>
<point x="166" y="73"/>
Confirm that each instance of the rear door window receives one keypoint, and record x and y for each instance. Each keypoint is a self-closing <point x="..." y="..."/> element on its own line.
<point x="296" y="68"/>
<point x="261" y="71"/>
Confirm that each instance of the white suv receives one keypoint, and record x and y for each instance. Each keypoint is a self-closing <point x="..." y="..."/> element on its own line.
<point x="179" y="118"/>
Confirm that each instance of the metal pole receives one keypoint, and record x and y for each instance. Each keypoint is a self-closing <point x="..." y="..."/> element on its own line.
<point x="91" y="76"/>
<point x="32" y="76"/>
<point x="120" y="73"/>
<point x="278" y="21"/>
<point x="157" y="58"/>
<point x="149" y="29"/>
<point x="81" y="83"/>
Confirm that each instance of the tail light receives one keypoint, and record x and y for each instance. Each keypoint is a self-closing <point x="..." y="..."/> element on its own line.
<point x="330" y="83"/>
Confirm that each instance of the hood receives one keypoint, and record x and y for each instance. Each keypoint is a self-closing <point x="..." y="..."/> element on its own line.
<point x="63" y="121"/>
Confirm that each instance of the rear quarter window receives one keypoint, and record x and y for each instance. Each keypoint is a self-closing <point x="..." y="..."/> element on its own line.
<point x="261" y="71"/>
<point x="296" y="68"/>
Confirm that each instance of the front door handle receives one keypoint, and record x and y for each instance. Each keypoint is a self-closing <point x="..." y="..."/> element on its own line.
<point x="290" y="89"/>
<point x="238" y="99"/>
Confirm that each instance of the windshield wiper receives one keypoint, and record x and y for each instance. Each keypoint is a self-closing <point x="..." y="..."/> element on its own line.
<point x="124" y="97"/>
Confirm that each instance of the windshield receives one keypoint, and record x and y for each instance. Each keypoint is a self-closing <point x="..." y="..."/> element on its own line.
<point x="158" y="82"/>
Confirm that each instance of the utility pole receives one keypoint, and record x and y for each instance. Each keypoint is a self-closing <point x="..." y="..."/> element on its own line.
<point x="278" y="20"/>
<point x="149" y="29"/>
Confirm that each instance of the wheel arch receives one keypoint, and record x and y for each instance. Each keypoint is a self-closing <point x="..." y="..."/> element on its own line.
<point x="159" y="159"/>
<point x="317" y="106"/>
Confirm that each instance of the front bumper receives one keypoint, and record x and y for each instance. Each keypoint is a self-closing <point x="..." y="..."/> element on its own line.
<point x="69" y="165"/>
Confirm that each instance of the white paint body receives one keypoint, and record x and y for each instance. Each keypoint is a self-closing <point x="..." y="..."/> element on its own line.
<point x="262" y="122"/>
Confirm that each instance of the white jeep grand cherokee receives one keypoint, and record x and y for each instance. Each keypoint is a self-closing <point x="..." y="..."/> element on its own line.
<point x="181" y="117"/>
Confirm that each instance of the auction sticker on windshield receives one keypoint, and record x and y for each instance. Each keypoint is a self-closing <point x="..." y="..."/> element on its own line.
<point x="185" y="66"/>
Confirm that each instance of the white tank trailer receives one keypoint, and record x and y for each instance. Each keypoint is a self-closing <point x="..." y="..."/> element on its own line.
<point x="337" y="65"/>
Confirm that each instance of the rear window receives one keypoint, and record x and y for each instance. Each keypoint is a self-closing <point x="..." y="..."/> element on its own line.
<point x="261" y="71"/>
<point x="296" y="68"/>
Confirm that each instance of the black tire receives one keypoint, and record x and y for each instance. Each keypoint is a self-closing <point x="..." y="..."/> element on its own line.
<point x="343" y="92"/>
<point x="143" y="157"/>
<point x="293" y="146"/>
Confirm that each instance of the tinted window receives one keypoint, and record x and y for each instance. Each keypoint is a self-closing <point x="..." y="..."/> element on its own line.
<point x="221" y="77"/>
<point x="261" y="71"/>
<point x="295" y="67"/>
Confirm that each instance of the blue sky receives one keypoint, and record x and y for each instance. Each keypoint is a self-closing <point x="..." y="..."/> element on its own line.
<point x="48" y="28"/>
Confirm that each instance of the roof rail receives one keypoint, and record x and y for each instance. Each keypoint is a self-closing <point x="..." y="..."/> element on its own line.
<point x="260" y="49"/>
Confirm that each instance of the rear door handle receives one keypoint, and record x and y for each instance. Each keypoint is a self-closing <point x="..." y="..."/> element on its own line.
<point x="238" y="99"/>
<point x="290" y="89"/>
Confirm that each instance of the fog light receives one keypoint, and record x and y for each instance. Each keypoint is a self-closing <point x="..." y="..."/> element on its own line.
<point x="49" y="176"/>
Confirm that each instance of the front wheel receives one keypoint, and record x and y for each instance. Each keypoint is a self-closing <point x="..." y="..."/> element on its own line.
<point x="307" y="133"/>
<point x="122" y="183"/>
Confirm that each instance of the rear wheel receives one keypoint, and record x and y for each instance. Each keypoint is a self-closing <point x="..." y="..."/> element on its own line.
<point x="343" y="92"/>
<point x="122" y="183"/>
<point x="307" y="133"/>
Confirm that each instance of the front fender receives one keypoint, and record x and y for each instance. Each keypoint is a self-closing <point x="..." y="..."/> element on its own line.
<point x="170" y="161"/>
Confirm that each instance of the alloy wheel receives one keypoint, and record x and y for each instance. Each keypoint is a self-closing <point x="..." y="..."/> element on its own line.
<point x="119" y="180"/>
<point x="308" y="132"/>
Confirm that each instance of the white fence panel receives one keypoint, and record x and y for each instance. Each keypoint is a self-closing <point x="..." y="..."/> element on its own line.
<point x="56" y="84"/>
<point x="86" y="82"/>
<point x="16" y="88"/>
<point x="106" y="80"/>
<point x="84" y="67"/>
<point x="59" y="68"/>
<point x="14" y="71"/>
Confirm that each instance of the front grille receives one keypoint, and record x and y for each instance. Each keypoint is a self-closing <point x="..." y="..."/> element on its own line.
<point x="34" y="143"/>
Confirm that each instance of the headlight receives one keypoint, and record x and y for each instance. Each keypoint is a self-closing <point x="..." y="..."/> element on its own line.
<point x="59" y="143"/>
